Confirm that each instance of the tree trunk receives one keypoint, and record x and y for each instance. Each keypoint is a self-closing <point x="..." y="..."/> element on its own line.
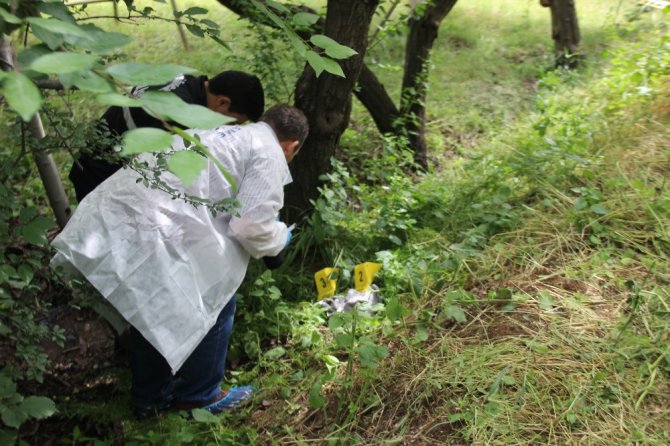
<point x="326" y="101"/>
<point x="370" y="91"/>
<point x="564" y="31"/>
<point x="45" y="163"/>
<point x="376" y="100"/>
<point x="422" y="34"/>
<point x="53" y="186"/>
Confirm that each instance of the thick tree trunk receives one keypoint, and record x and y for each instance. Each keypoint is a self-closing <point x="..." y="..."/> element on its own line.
<point x="370" y="91"/>
<point x="422" y="34"/>
<point x="45" y="163"/>
<point x="564" y="31"/>
<point x="326" y="101"/>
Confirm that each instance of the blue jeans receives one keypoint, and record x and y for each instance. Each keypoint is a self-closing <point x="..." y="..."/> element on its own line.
<point x="197" y="381"/>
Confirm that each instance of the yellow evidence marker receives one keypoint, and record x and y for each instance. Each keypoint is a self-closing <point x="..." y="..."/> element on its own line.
<point x="364" y="273"/>
<point x="324" y="284"/>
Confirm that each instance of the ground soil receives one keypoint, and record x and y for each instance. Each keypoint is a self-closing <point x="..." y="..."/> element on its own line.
<point x="86" y="368"/>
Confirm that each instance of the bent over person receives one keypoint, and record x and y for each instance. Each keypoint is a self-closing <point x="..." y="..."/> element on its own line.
<point x="232" y="93"/>
<point x="171" y="269"/>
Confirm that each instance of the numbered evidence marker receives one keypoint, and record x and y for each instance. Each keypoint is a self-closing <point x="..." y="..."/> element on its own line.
<point x="324" y="284"/>
<point x="363" y="275"/>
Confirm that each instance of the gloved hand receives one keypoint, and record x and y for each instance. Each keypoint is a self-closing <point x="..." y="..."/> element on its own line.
<point x="289" y="235"/>
<point x="275" y="262"/>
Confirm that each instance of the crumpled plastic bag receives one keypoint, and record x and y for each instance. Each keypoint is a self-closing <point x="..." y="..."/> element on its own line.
<point x="339" y="304"/>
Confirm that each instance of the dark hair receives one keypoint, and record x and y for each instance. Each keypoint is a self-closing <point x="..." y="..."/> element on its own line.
<point x="288" y="122"/>
<point x="244" y="90"/>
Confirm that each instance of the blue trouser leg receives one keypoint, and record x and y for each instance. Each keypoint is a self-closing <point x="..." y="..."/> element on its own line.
<point x="197" y="381"/>
<point x="151" y="383"/>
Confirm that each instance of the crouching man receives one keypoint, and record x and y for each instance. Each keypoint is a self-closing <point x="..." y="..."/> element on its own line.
<point x="171" y="269"/>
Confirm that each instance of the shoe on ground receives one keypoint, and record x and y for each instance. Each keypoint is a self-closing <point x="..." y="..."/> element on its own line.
<point x="225" y="400"/>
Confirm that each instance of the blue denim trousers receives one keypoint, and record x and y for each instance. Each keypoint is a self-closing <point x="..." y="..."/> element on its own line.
<point x="198" y="381"/>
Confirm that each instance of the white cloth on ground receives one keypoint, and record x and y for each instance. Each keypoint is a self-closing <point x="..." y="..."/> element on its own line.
<point x="168" y="267"/>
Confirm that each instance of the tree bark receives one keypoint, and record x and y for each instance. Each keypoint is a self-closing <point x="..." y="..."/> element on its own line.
<point x="326" y="101"/>
<point x="564" y="31"/>
<point x="423" y="31"/>
<point x="44" y="161"/>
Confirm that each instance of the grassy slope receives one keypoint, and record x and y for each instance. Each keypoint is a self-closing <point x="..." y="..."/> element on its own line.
<point x="543" y="282"/>
<point x="560" y="240"/>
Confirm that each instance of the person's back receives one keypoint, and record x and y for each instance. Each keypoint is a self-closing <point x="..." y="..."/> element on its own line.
<point x="152" y="241"/>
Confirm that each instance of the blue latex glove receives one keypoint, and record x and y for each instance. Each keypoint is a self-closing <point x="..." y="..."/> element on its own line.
<point x="288" y="235"/>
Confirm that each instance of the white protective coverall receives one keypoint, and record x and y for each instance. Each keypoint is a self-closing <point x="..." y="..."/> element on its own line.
<point x="168" y="267"/>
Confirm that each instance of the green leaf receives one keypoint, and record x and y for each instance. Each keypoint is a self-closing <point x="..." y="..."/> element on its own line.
<point x="134" y="73"/>
<point x="13" y="417"/>
<point x="35" y="231"/>
<point x="316" y="400"/>
<point x="117" y="99"/>
<point x="333" y="67"/>
<point x="580" y="204"/>
<point x="38" y="407"/>
<point x="85" y="81"/>
<point x="21" y="94"/>
<point x="98" y="40"/>
<point x="537" y="347"/>
<point x="395" y="310"/>
<point x="210" y="23"/>
<point x="145" y="140"/>
<point x="57" y="10"/>
<point x="545" y="301"/>
<point x="9" y="18"/>
<point x="599" y="209"/>
<point x="455" y="312"/>
<point x="25" y="273"/>
<point x="7" y="387"/>
<point x="195" y="30"/>
<point x="278" y="6"/>
<point x="203" y="416"/>
<point x="7" y="272"/>
<point x="187" y="165"/>
<point x="331" y="360"/>
<point x="316" y="62"/>
<point x="170" y="107"/>
<point x="7" y="437"/>
<point x="370" y="353"/>
<point x="331" y="47"/>
<point x="344" y="340"/>
<point x="220" y="42"/>
<point x="195" y="10"/>
<point x="275" y="353"/>
<point x="57" y="26"/>
<point x="305" y="19"/>
<point x="62" y="62"/>
<point x="27" y="56"/>
<point x="394" y="238"/>
<point x="297" y="44"/>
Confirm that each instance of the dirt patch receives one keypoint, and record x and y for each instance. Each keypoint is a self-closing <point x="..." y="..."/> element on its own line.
<point x="85" y="369"/>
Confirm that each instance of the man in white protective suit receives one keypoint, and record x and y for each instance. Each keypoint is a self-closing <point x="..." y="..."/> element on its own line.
<point x="171" y="269"/>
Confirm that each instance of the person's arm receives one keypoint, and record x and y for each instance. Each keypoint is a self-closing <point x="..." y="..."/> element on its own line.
<point x="261" y="195"/>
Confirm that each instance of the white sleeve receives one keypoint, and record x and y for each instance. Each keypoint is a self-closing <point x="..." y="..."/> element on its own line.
<point x="261" y="195"/>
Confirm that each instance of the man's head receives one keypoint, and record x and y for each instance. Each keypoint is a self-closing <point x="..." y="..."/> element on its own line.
<point x="291" y="127"/>
<point x="236" y="94"/>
